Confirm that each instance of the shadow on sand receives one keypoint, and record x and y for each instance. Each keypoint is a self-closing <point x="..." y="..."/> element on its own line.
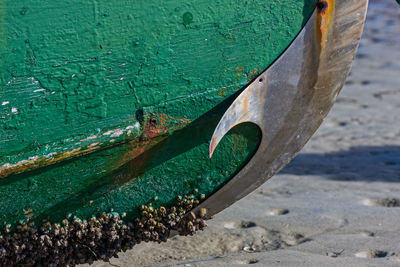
<point x="364" y="163"/>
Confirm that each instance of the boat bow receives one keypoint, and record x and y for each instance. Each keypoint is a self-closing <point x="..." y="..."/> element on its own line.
<point x="292" y="97"/>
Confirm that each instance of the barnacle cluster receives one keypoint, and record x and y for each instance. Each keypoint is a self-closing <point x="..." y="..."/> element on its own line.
<point x="75" y="241"/>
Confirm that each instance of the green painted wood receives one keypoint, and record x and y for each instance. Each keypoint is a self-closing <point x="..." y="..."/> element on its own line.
<point x="107" y="104"/>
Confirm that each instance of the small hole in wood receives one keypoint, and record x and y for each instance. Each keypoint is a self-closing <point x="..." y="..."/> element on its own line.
<point x="153" y="121"/>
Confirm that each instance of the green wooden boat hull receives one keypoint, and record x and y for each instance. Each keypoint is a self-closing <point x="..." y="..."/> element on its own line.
<point x="108" y="105"/>
<point x="112" y="111"/>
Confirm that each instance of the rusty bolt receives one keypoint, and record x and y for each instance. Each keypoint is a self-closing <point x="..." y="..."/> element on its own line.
<point x="321" y="6"/>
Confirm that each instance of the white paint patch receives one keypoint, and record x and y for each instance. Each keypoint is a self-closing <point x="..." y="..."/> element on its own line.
<point x="108" y="132"/>
<point x="93" y="145"/>
<point x="33" y="158"/>
<point x="50" y="155"/>
<point x="5" y="103"/>
<point x="89" y="138"/>
<point x="14" y="110"/>
<point x="39" y="90"/>
<point x="117" y="133"/>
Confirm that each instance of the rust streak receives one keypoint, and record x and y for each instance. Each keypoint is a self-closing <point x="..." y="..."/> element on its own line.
<point x="253" y="74"/>
<point x="324" y="17"/>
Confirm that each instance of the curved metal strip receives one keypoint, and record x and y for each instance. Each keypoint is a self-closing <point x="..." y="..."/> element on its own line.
<point x="291" y="98"/>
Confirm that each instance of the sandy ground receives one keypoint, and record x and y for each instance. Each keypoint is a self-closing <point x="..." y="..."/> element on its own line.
<point x="338" y="202"/>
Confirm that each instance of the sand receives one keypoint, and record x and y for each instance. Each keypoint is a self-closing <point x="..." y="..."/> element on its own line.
<point x="338" y="202"/>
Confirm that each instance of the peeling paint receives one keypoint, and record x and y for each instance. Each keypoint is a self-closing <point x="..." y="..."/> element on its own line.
<point x="166" y="123"/>
<point x="94" y="144"/>
<point x="117" y="133"/>
<point x="88" y="138"/>
<point x="108" y="132"/>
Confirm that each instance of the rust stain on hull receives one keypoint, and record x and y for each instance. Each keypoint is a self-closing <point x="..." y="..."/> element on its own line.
<point x="324" y="18"/>
<point x="160" y="124"/>
<point x="254" y="74"/>
<point x="156" y="129"/>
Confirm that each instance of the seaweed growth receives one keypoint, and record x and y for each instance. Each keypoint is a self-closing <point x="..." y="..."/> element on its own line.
<point x="77" y="241"/>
